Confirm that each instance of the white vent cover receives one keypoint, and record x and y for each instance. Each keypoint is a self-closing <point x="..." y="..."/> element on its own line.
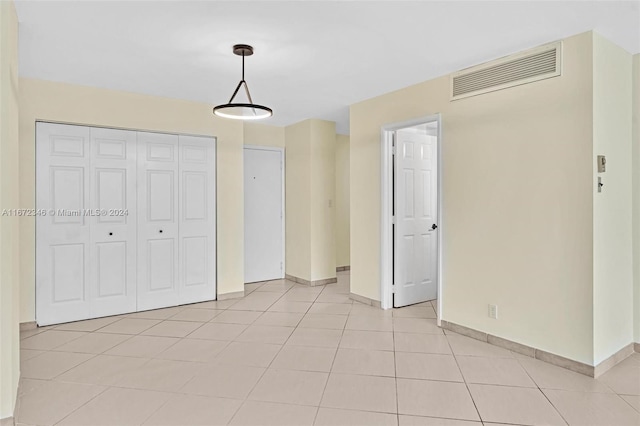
<point x="526" y="67"/>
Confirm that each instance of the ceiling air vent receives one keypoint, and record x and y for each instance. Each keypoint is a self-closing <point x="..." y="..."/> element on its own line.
<point x="522" y="68"/>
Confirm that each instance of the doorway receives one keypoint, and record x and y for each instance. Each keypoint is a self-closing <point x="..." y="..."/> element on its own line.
<point x="263" y="213"/>
<point x="411" y="213"/>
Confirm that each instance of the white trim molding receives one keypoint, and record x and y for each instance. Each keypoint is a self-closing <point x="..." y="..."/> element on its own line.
<point x="548" y="357"/>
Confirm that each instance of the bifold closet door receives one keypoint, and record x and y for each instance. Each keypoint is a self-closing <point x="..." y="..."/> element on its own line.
<point x="62" y="241"/>
<point x="112" y="277"/>
<point x="176" y="220"/>
<point x="158" y="217"/>
<point x="85" y="242"/>
<point x="197" y="219"/>
<point x="126" y="221"/>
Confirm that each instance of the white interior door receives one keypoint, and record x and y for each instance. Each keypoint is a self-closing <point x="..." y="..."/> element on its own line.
<point x="157" y="220"/>
<point x="197" y="219"/>
<point x="416" y="217"/>
<point x="263" y="214"/>
<point x="112" y="282"/>
<point x="63" y="155"/>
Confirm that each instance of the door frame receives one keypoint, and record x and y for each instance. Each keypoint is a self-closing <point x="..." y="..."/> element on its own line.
<point x="284" y="213"/>
<point x="386" y="218"/>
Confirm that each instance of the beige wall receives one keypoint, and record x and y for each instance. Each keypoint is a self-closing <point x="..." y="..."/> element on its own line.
<point x="342" y="200"/>
<point x="612" y="227"/>
<point x="42" y="100"/>
<point x="263" y="134"/>
<point x="636" y="193"/>
<point x="298" y="200"/>
<point x="9" y="231"/>
<point x="310" y="199"/>
<point x="517" y="194"/>
<point x="309" y="174"/>
<point x="323" y="196"/>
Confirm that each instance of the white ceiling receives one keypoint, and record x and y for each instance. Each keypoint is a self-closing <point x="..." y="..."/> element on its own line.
<point x="313" y="59"/>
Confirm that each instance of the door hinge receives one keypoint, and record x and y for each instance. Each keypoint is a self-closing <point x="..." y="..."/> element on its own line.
<point x="393" y="150"/>
<point x="281" y="266"/>
<point x="393" y="220"/>
<point x="393" y="289"/>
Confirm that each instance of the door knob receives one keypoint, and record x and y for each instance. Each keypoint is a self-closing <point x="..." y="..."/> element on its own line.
<point x="434" y="226"/>
<point x="110" y="233"/>
<point x="161" y="231"/>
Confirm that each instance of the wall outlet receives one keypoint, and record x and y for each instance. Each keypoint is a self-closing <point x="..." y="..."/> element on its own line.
<point x="493" y="311"/>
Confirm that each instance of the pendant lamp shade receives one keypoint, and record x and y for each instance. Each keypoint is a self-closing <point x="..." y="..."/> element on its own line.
<point x="242" y="111"/>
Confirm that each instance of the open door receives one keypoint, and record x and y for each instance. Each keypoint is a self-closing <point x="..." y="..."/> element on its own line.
<point x="415" y="233"/>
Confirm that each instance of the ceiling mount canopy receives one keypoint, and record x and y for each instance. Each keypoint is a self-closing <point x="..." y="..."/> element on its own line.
<point x="242" y="111"/>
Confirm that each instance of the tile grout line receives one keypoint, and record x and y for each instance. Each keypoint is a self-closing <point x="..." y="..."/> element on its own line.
<point x="158" y="409"/>
<point x="271" y="362"/>
<point x="148" y="360"/>
<point x="106" y="388"/>
<point x="174" y="394"/>
<point x="613" y="392"/>
<point x="628" y="403"/>
<point x="464" y="379"/>
<point x="542" y="392"/>
<point x="335" y="355"/>
<point x="174" y="343"/>
<point x="395" y="368"/>
<point x="227" y="345"/>
<point x="109" y="387"/>
<point x="563" y="390"/>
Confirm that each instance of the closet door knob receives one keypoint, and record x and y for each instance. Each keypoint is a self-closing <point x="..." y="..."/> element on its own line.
<point x="110" y="233"/>
<point x="160" y="231"/>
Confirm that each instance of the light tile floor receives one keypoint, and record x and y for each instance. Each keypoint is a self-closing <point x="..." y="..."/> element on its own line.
<point x="293" y="355"/>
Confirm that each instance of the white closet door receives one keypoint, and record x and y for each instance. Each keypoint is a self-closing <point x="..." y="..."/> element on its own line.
<point x="62" y="236"/>
<point x="197" y="219"/>
<point x="112" y="283"/>
<point x="157" y="221"/>
<point x="130" y="221"/>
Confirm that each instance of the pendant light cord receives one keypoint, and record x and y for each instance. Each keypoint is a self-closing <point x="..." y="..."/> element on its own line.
<point x="242" y="82"/>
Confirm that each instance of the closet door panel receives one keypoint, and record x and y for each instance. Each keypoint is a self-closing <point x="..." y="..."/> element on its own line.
<point x="197" y="219"/>
<point x="113" y="222"/>
<point x="157" y="221"/>
<point x="62" y="231"/>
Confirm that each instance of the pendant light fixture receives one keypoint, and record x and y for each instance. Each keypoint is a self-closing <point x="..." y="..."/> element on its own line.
<point x="242" y="111"/>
